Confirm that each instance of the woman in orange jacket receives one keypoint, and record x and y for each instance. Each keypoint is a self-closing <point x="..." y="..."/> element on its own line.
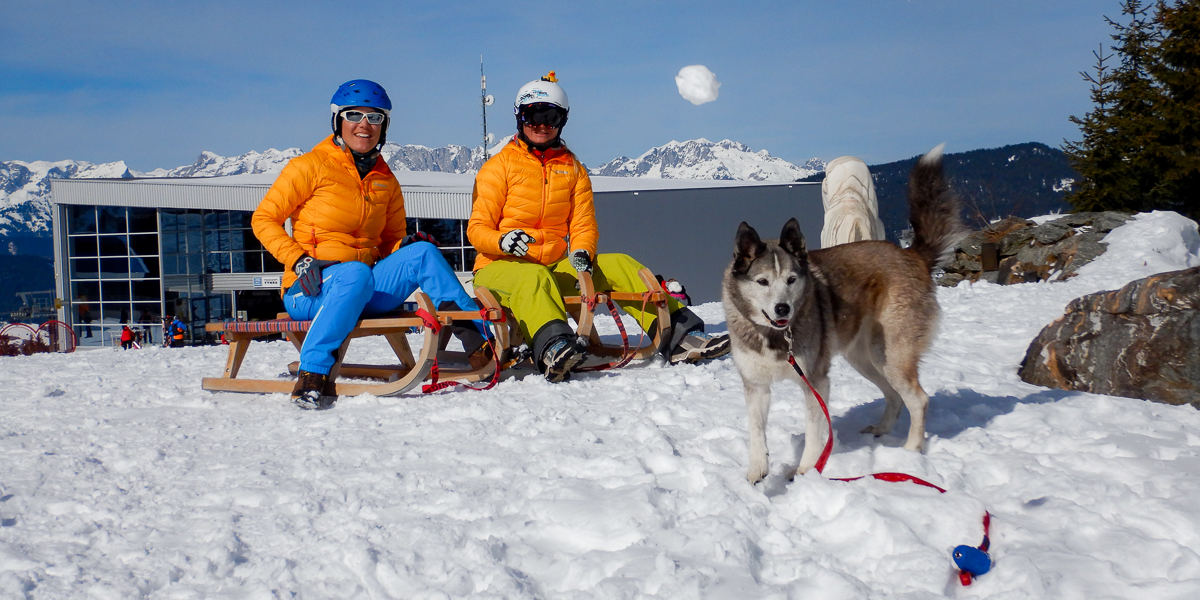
<point x="534" y="227"/>
<point x="349" y="251"/>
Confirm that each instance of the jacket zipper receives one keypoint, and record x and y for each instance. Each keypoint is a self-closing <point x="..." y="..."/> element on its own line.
<point x="362" y="215"/>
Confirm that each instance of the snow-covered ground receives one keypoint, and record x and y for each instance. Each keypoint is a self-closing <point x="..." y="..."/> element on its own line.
<point x="121" y="478"/>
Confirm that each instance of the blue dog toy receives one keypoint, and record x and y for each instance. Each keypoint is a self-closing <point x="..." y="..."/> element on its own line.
<point x="972" y="560"/>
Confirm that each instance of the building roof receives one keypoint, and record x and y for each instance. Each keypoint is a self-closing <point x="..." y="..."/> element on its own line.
<point x="426" y="194"/>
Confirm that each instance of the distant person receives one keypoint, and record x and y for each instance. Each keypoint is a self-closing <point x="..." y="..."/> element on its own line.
<point x="126" y="338"/>
<point x="85" y="317"/>
<point x="350" y="253"/>
<point x="534" y="226"/>
<point x="177" y="330"/>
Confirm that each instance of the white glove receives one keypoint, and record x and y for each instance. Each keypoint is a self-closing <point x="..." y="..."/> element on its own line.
<point x="516" y="242"/>
<point x="581" y="260"/>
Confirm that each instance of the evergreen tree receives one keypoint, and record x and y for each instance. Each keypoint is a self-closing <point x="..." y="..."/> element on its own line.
<point x="1174" y="153"/>
<point x="1111" y="157"/>
<point x="1095" y="156"/>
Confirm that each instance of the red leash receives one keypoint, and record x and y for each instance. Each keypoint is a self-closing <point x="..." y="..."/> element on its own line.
<point x="627" y="353"/>
<point x="972" y="561"/>
<point x="434" y="385"/>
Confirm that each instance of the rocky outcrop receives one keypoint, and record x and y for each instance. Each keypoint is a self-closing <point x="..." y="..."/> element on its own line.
<point x="1016" y="250"/>
<point x="1141" y="341"/>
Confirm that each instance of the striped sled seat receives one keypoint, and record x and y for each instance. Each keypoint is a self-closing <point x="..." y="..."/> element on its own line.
<point x="395" y="379"/>
<point x="582" y="309"/>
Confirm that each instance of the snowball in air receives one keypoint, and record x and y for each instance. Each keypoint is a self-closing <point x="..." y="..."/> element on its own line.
<point x="697" y="84"/>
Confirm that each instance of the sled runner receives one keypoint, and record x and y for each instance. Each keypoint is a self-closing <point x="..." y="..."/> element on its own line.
<point x="582" y="308"/>
<point x="397" y="379"/>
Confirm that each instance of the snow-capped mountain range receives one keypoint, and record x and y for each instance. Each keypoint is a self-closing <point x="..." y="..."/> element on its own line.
<point x="702" y="159"/>
<point x="25" y="186"/>
<point x="25" y="190"/>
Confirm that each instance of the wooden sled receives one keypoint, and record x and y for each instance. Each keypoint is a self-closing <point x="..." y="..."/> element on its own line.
<point x="396" y="379"/>
<point x="583" y="309"/>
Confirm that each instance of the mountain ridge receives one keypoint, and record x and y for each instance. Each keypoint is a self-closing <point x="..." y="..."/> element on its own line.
<point x="1024" y="180"/>
<point x="25" y="188"/>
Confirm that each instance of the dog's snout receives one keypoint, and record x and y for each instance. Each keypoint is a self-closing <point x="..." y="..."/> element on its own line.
<point x="782" y="310"/>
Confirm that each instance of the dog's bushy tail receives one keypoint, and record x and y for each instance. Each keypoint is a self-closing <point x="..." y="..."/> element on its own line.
<point x="935" y="211"/>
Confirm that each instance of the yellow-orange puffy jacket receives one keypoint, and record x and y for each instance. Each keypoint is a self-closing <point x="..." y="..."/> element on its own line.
<point x="335" y="214"/>
<point x="551" y="201"/>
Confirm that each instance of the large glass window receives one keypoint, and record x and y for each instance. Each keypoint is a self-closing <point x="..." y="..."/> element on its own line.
<point x="81" y="219"/>
<point x="451" y="235"/>
<point x="143" y="220"/>
<point x="112" y="219"/>
<point x="84" y="246"/>
<point x="197" y="244"/>
<point x="110" y="269"/>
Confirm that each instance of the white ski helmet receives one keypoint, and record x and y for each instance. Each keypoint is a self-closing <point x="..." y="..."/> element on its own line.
<point x="542" y="90"/>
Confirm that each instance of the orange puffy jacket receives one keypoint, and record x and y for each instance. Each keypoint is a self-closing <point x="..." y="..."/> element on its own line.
<point x="335" y="214"/>
<point x="550" y="198"/>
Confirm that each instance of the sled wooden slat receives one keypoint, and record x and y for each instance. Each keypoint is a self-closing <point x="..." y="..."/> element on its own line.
<point x="397" y="379"/>
<point x="657" y="302"/>
<point x="576" y="308"/>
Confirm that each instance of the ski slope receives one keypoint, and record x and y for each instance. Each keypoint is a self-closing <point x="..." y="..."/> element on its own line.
<point x="121" y="478"/>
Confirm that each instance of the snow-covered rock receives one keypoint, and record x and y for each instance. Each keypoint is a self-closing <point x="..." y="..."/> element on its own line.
<point x="702" y="159"/>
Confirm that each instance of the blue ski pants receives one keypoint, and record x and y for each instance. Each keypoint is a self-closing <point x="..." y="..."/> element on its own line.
<point x="352" y="290"/>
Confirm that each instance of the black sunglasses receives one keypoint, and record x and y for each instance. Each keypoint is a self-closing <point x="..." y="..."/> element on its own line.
<point x="543" y="114"/>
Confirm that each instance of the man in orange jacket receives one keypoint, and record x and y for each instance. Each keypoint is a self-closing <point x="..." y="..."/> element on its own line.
<point x="349" y="250"/>
<point x="534" y="227"/>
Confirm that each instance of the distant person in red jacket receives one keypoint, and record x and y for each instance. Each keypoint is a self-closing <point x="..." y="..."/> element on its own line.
<point x="126" y="338"/>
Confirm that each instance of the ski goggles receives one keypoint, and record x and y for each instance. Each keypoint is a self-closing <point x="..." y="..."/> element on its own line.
<point x="356" y="116"/>
<point x="542" y="114"/>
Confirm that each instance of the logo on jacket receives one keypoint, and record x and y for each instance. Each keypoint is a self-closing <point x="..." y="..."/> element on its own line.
<point x="562" y="172"/>
<point x="379" y="184"/>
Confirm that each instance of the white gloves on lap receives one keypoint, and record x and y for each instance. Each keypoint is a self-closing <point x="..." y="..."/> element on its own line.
<point x="516" y="242"/>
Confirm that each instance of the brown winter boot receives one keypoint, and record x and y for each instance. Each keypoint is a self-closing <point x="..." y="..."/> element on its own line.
<point x="309" y="392"/>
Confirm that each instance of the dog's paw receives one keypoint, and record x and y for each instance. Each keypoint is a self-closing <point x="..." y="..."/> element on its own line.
<point x="875" y="430"/>
<point x="757" y="472"/>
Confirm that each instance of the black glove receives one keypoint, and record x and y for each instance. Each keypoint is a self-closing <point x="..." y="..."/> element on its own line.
<point x="516" y="242"/>
<point x="419" y="236"/>
<point x="581" y="260"/>
<point x="308" y="273"/>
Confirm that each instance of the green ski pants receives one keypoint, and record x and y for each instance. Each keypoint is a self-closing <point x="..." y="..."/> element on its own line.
<point x="534" y="292"/>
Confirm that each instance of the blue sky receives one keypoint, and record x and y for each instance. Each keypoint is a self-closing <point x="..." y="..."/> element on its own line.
<point x="156" y="83"/>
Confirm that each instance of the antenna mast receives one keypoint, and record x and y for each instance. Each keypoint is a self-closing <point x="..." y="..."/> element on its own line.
<point x="486" y="101"/>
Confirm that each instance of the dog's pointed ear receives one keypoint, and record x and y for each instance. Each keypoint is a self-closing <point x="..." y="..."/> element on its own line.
<point x="747" y="247"/>
<point x="792" y="240"/>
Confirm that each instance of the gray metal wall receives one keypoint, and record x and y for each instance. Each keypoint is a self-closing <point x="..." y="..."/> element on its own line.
<point x="688" y="234"/>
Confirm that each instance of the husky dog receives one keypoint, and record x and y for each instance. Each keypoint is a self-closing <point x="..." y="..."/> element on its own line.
<point x="851" y="210"/>
<point x="870" y="301"/>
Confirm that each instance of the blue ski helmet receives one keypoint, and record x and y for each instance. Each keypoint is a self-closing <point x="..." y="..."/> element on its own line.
<point x="359" y="92"/>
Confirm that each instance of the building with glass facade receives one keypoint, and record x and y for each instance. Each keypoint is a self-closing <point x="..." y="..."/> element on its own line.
<point x="131" y="252"/>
